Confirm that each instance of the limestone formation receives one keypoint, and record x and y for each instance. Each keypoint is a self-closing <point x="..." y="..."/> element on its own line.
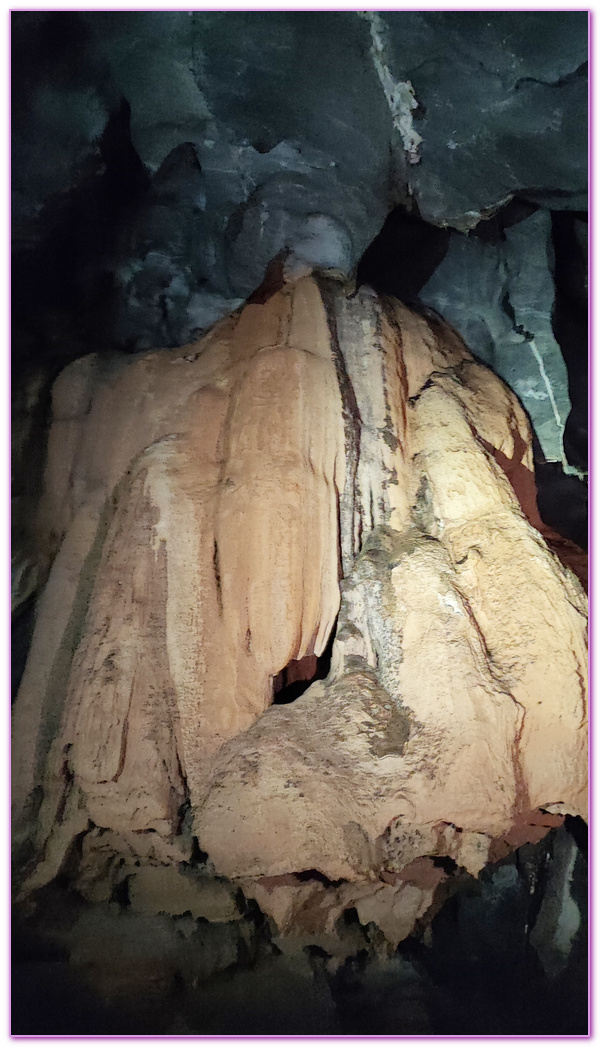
<point x="316" y="468"/>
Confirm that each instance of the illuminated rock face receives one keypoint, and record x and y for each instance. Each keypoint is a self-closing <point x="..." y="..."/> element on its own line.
<point x="315" y="465"/>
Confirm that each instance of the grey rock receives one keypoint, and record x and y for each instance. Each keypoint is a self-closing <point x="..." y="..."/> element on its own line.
<point x="500" y="298"/>
<point x="500" y="105"/>
<point x="559" y="918"/>
<point x="503" y="103"/>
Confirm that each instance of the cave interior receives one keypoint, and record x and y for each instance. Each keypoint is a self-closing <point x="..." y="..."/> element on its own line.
<point x="299" y="306"/>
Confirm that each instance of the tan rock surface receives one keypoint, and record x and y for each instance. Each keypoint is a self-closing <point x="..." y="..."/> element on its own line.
<point x="205" y="483"/>
<point x="210" y="505"/>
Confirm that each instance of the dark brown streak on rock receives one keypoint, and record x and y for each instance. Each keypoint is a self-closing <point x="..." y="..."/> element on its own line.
<point x="68" y="650"/>
<point x="428" y="384"/>
<point x="68" y="776"/>
<point x="217" y="570"/>
<point x="583" y="693"/>
<point x="350" y="410"/>
<point x="522" y="801"/>
<point x="124" y="736"/>
<point x="519" y="476"/>
<point x="522" y="481"/>
<point x="399" y="361"/>
<point x="528" y="827"/>
<point x="273" y="280"/>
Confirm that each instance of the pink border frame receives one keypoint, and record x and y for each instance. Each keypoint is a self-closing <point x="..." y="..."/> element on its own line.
<point x="591" y="519"/>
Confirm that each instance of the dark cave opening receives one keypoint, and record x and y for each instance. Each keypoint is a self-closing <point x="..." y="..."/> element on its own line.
<point x="562" y="501"/>
<point x="579" y="831"/>
<point x="403" y="256"/>
<point x="298" y="675"/>
<point x="72" y="263"/>
<point x="21" y="635"/>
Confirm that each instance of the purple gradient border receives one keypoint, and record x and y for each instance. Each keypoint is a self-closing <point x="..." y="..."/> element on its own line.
<point x="591" y="515"/>
<point x="591" y="521"/>
<point x="8" y="496"/>
<point x="304" y="8"/>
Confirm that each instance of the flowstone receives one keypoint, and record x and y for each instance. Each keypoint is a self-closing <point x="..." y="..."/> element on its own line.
<point x="317" y="466"/>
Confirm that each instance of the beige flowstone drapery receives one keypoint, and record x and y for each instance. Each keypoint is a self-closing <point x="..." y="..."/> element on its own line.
<point x="316" y="463"/>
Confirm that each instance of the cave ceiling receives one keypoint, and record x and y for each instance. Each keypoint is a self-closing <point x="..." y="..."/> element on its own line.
<point x="333" y="113"/>
<point x="161" y="159"/>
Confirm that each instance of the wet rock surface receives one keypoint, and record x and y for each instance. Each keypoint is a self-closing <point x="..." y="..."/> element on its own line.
<point x="526" y="71"/>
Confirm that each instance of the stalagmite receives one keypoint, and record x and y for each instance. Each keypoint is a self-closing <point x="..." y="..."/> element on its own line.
<point x="315" y="466"/>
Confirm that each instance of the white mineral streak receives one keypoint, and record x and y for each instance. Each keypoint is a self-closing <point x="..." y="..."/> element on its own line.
<point x="560" y="422"/>
<point x="540" y="362"/>
<point x="399" y="94"/>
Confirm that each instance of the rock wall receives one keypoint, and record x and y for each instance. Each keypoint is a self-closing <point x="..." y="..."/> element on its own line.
<point x="316" y="463"/>
<point x="500" y="297"/>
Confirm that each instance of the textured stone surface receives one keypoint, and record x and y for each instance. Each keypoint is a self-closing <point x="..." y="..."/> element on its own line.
<point x="303" y="129"/>
<point x="209" y="506"/>
<point x="491" y="84"/>
<point x="500" y="297"/>
<point x="194" y="475"/>
<point x="223" y="67"/>
<point x="559" y="918"/>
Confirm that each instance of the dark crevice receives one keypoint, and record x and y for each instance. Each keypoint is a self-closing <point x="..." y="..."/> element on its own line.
<point x="198" y="856"/>
<point x="442" y="862"/>
<point x="496" y="220"/>
<point x="348" y="502"/>
<point x="78" y="233"/>
<point x="299" y="674"/>
<point x="184" y="812"/>
<point x="22" y="627"/>
<point x="309" y="875"/>
<point x="120" y="893"/>
<point x="537" y="194"/>
<point x="403" y="256"/>
<point x="273" y="280"/>
<point x="562" y="501"/>
<point x="217" y="573"/>
<point x="570" y="325"/>
<point x="579" y="831"/>
<point x="68" y="778"/>
<point x="510" y="312"/>
<point x="568" y="78"/>
<point x="508" y="309"/>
